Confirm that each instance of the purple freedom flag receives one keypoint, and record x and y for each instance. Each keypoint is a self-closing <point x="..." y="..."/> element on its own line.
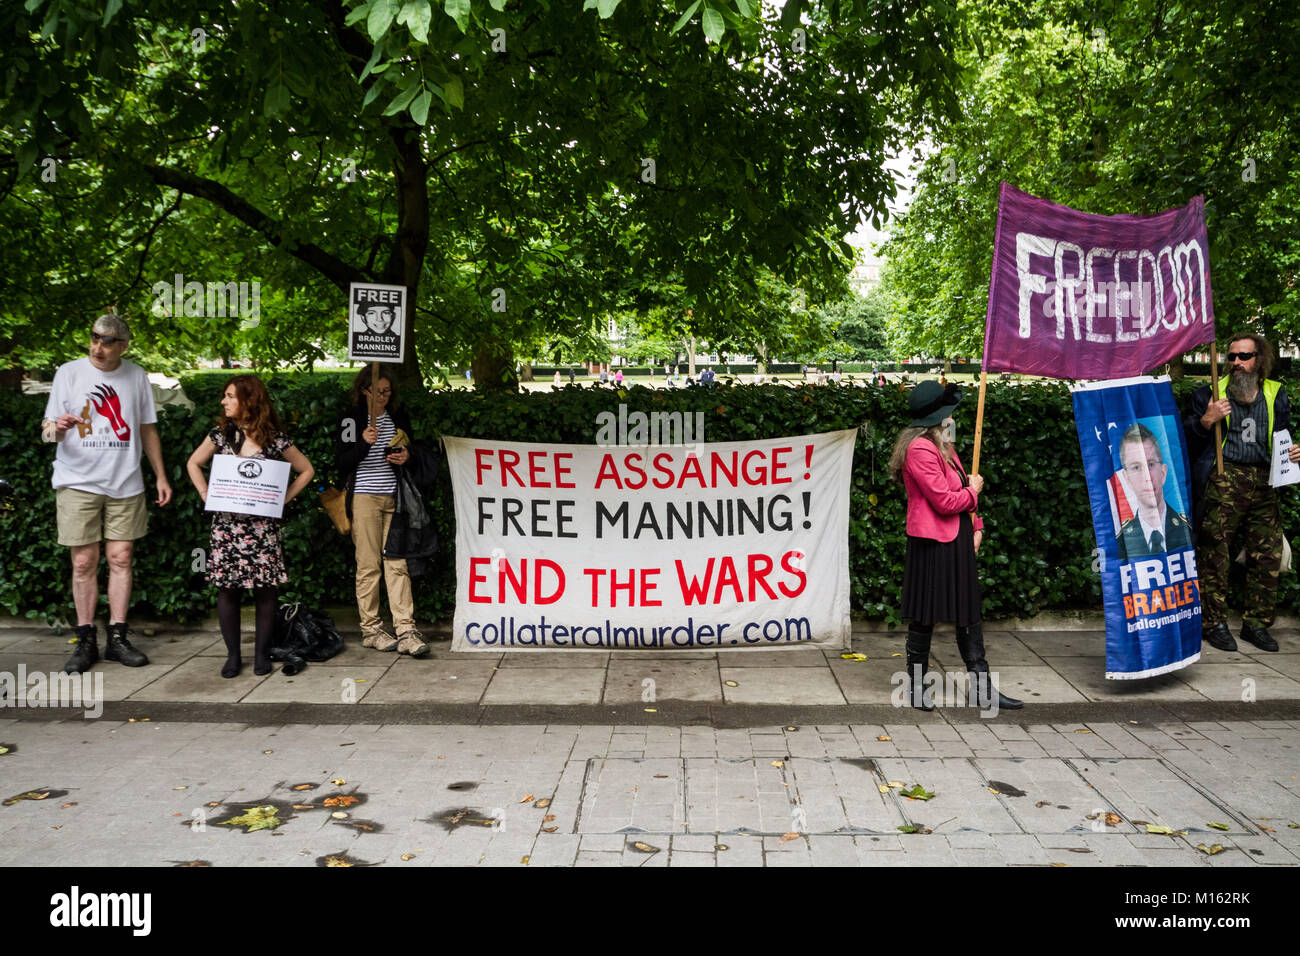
<point x="1075" y="295"/>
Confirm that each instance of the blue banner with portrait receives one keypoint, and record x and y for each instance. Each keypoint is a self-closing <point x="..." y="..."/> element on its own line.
<point x="1135" y="461"/>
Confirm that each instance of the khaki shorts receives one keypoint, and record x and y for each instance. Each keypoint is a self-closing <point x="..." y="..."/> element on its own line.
<point x="85" y="518"/>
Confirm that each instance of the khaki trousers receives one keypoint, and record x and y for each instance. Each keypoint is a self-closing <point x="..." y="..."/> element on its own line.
<point x="371" y="517"/>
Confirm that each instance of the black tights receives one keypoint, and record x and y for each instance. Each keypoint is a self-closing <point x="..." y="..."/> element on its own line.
<point x="228" y="601"/>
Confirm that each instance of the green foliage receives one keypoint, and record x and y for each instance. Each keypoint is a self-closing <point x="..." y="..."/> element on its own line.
<point x="1110" y="107"/>
<point x="1038" y="547"/>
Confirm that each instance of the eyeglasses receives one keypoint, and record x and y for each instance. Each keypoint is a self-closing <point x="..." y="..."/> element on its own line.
<point x="384" y="392"/>
<point x="1241" y="356"/>
<point x="110" y="340"/>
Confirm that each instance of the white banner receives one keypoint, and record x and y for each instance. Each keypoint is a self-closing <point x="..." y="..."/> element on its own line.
<point x="247" y="486"/>
<point x="652" y="547"/>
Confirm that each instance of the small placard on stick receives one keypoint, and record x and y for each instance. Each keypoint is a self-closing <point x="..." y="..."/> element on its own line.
<point x="376" y="317"/>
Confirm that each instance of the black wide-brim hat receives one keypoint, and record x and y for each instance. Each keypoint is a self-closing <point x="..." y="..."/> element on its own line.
<point x="930" y="403"/>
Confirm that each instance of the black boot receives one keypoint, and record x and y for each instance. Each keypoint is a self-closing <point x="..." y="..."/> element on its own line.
<point x="970" y="643"/>
<point x="119" y="648"/>
<point x="87" y="652"/>
<point x="918" y="659"/>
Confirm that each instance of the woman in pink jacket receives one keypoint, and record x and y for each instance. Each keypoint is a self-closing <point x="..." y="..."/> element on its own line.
<point x="940" y="579"/>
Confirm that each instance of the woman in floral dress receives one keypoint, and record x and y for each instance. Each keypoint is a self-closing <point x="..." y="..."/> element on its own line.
<point x="246" y="550"/>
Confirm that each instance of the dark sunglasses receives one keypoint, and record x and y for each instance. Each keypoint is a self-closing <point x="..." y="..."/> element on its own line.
<point x="1241" y="356"/>
<point x="98" y="339"/>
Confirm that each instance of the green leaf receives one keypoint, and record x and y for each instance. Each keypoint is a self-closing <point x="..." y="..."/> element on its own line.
<point x="256" y="818"/>
<point x="380" y="18"/>
<point x="746" y="8"/>
<point x="371" y="94"/>
<point x="714" y="25"/>
<point x="453" y="93"/>
<point x="790" y="14"/>
<point x="606" y="8"/>
<point x="276" y="101"/>
<point x="110" y="11"/>
<point x="417" y="15"/>
<point x="498" y="5"/>
<point x="403" y="99"/>
<point x="918" y="792"/>
<point x="458" y="10"/>
<point x="686" y="17"/>
<point x="909" y="828"/>
<point x="1219" y="826"/>
<point x="420" y="107"/>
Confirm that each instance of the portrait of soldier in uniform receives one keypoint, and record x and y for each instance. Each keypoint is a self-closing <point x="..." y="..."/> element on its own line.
<point x="1155" y="527"/>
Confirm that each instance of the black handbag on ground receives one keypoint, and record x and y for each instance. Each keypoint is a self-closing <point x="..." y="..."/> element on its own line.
<point x="303" y="634"/>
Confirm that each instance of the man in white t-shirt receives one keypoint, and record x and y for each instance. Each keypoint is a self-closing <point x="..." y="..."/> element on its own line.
<point x="101" y="415"/>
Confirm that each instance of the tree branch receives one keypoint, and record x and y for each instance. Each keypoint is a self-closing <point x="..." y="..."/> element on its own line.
<point x="331" y="267"/>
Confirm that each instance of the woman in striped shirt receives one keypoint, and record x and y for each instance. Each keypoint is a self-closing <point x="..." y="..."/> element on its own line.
<point x="367" y="456"/>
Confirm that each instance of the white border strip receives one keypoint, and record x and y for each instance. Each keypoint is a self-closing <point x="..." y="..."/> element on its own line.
<point x="1155" y="671"/>
<point x="1118" y="382"/>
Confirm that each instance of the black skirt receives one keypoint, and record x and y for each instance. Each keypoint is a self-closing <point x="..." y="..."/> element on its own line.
<point x="940" y="580"/>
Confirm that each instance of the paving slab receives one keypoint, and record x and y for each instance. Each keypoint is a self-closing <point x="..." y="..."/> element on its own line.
<point x="780" y="685"/>
<point x="434" y="680"/>
<point x="545" y="685"/>
<point x="650" y="681"/>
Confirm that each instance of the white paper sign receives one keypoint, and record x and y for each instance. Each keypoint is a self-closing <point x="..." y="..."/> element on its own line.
<point x="376" y="314"/>
<point x="247" y="486"/>
<point x="1284" y="471"/>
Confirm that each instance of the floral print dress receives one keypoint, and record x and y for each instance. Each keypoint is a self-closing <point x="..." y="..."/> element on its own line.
<point x="246" y="550"/>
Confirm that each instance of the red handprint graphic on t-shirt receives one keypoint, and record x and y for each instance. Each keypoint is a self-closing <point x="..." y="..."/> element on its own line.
<point x="108" y="405"/>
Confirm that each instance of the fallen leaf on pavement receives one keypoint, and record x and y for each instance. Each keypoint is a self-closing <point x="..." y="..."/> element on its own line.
<point x="787" y="837"/>
<point x="731" y="683"/>
<point x="180" y="788"/>
<point x="918" y="792"/>
<point x="339" y="815"/>
<point x="778" y="763"/>
<point x="305" y="786"/>
<point x="271" y="752"/>
<point x="1219" y="826"/>
<point x="847" y="656"/>
<point x="661" y="776"/>
<point x="644" y="847"/>
<point x="1060" y="864"/>
<point x="548" y="818"/>
<point x="1210" y="850"/>
<point x="303" y="806"/>
<point x="527" y="798"/>
<point x="342" y="801"/>
<point x="336" y="861"/>
<point x="339" y="781"/>
<point x="549" y="829"/>
<point x="543" y="803"/>
<point x="407" y="856"/>
<point x="909" y="828"/>
<point x="884" y="789"/>
<point x="1112" y="819"/>
<point x="883" y="737"/>
<point x="651" y="710"/>
<point x="895" y="655"/>
<point x="1084" y="731"/>
<point x="1044" y="803"/>
<point x="991" y="790"/>
<point x="254" y="818"/>
<point x="66" y="805"/>
<point x="524" y="860"/>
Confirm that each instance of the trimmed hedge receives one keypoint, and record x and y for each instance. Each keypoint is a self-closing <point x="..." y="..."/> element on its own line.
<point x="1038" y="550"/>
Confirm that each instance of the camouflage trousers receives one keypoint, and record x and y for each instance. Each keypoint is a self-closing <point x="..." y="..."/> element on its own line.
<point x="1240" y="500"/>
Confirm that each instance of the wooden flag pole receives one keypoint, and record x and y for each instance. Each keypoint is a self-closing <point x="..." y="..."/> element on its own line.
<point x="1214" y="393"/>
<point x="374" y="386"/>
<point x="979" y="424"/>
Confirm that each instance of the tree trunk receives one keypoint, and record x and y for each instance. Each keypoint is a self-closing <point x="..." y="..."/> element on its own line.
<point x="1176" y="368"/>
<point x="493" y="368"/>
<point x="690" y="356"/>
<point x="410" y="244"/>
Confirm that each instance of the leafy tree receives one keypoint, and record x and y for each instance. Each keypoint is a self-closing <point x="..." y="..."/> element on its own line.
<point x="515" y="165"/>
<point x="1110" y="108"/>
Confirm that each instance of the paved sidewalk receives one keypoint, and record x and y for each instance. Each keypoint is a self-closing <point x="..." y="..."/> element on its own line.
<point x="1059" y="674"/>
<point x="156" y="794"/>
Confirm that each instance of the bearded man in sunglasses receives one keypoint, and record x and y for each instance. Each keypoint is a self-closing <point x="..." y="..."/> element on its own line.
<point x="101" y="415"/>
<point x="1253" y="409"/>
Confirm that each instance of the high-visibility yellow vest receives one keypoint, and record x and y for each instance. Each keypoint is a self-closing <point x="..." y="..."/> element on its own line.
<point x="1271" y="388"/>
